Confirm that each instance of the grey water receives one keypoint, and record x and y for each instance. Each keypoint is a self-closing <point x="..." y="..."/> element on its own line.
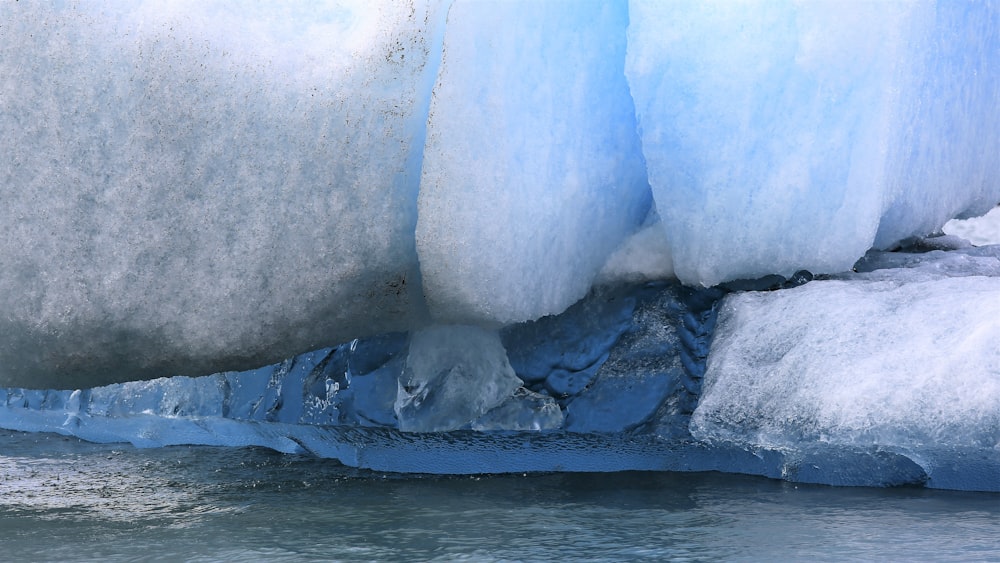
<point x="68" y="500"/>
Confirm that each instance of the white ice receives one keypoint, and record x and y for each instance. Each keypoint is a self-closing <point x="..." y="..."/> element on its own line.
<point x="902" y="357"/>
<point x="980" y="231"/>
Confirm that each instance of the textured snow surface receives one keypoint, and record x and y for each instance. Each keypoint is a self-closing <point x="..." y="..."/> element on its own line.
<point x="903" y="361"/>
<point x="191" y="187"/>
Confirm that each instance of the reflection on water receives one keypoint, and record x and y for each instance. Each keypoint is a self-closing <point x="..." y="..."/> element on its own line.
<point x="69" y="500"/>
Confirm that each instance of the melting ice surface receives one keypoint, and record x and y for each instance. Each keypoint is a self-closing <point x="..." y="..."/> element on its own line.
<point x="514" y="236"/>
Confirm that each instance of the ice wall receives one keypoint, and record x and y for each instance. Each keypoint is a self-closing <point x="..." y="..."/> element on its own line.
<point x="195" y="187"/>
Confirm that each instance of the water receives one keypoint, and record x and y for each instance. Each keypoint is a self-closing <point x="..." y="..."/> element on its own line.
<point x="62" y="499"/>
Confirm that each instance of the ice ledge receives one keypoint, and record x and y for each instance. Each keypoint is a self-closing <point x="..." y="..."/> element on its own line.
<point x="615" y="382"/>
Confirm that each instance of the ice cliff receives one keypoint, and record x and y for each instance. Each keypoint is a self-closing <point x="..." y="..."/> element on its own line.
<point x="656" y="229"/>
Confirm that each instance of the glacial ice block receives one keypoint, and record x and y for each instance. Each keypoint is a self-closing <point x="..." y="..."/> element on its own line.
<point x="204" y="186"/>
<point x="532" y="171"/>
<point x="904" y="358"/>
<point x="453" y="375"/>
<point x="782" y="136"/>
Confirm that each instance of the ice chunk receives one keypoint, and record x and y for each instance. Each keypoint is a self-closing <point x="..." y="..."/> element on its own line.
<point x="782" y="136"/>
<point x="524" y="410"/>
<point x="453" y="375"/>
<point x="763" y="127"/>
<point x="532" y="172"/>
<point x="979" y="231"/>
<point x="900" y="358"/>
<point x="191" y="187"/>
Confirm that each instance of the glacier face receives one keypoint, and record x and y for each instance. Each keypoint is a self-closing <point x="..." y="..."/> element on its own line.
<point x="519" y="216"/>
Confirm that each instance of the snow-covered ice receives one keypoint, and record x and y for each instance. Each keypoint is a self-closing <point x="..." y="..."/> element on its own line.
<point x="898" y="358"/>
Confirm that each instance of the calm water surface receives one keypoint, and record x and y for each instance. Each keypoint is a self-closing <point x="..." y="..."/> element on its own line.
<point x="62" y="499"/>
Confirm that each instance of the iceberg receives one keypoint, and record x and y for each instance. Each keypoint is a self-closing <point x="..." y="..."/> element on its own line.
<point x="454" y="237"/>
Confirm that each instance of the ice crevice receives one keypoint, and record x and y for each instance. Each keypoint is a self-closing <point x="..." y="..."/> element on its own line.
<point x="656" y="228"/>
